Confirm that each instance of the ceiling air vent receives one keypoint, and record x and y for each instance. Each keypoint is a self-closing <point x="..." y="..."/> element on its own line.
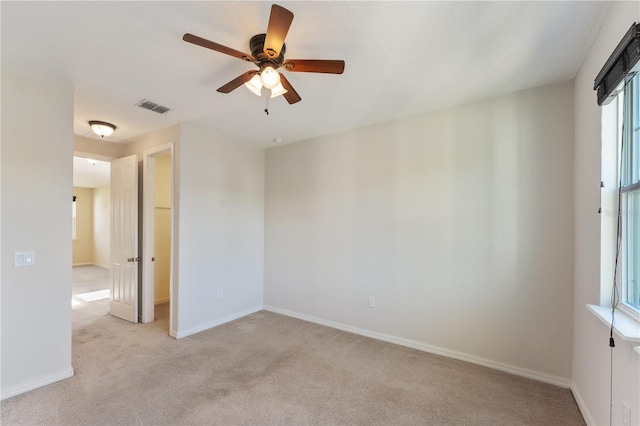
<point x="152" y="106"/>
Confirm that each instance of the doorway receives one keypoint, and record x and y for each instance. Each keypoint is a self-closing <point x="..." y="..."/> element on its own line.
<point x="157" y="224"/>
<point x="91" y="237"/>
<point x="90" y="211"/>
<point x="158" y="230"/>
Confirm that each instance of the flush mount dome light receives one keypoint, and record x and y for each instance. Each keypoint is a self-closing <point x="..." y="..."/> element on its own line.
<point x="102" y="128"/>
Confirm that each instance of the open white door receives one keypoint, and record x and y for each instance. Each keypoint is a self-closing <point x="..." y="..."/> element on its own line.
<point x="124" y="238"/>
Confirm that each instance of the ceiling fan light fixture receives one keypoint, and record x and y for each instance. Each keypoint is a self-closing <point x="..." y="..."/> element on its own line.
<point x="267" y="53"/>
<point x="278" y="90"/>
<point x="102" y="128"/>
<point x="255" y="85"/>
<point x="269" y="77"/>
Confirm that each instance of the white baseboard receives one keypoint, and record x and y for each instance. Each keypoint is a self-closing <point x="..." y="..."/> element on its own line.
<point x="414" y="344"/>
<point x="35" y="384"/>
<point x="90" y="264"/>
<point x="160" y="301"/>
<point x="582" y="405"/>
<point x="214" y="323"/>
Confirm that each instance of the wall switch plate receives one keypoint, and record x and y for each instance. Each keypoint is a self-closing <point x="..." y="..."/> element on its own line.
<point x="372" y="302"/>
<point x="219" y="292"/>
<point x="626" y="414"/>
<point x="24" y="258"/>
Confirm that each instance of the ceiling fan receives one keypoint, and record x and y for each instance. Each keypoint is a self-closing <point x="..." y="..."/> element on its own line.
<point x="267" y="53"/>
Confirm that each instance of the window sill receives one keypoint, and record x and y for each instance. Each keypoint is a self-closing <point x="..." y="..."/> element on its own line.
<point x="626" y="327"/>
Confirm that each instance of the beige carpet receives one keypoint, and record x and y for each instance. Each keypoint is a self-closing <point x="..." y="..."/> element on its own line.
<point x="270" y="369"/>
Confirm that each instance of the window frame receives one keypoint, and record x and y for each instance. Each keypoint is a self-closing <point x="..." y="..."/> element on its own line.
<point x="629" y="184"/>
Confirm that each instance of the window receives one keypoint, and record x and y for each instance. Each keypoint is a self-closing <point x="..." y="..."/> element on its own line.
<point x="620" y="182"/>
<point x="630" y="199"/>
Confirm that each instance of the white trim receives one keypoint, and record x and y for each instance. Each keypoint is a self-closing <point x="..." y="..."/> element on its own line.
<point x="161" y="301"/>
<point x="626" y="327"/>
<point x="414" y="344"/>
<point x="582" y="405"/>
<point x="35" y="384"/>
<point x="629" y="311"/>
<point x="215" y="323"/>
<point x="91" y="264"/>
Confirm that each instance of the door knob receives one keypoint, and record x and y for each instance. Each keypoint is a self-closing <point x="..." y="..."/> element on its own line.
<point x="131" y="259"/>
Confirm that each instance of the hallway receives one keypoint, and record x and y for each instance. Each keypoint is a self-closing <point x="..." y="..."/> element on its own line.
<point x="90" y="301"/>
<point x="88" y="278"/>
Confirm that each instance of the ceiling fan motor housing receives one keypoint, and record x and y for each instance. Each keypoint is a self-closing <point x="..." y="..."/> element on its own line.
<point x="256" y="44"/>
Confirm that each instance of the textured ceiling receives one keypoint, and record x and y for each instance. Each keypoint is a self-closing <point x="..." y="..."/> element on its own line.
<point x="402" y="58"/>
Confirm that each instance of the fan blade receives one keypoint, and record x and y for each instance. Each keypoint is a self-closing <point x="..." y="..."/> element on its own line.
<point x="190" y="38"/>
<point x="279" y="23"/>
<point x="237" y="82"/>
<point x="291" y="96"/>
<point x="314" y="65"/>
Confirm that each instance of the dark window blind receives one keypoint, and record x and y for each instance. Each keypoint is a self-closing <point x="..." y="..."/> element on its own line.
<point x="621" y="65"/>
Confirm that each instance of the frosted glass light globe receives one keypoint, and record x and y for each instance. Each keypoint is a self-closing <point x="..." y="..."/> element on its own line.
<point x="255" y="85"/>
<point x="270" y="77"/>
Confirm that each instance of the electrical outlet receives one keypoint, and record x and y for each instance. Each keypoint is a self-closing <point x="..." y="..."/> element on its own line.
<point x="372" y="302"/>
<point x="220" y="292"/>
<point x="626" y="414"/>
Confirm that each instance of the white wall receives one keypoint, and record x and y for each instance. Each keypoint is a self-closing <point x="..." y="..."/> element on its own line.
<point x="218" y="225"/>
<point x="36" y="177"/>
<point x="221" y="222"/>
<point x="98" y="148"/>
<point x="151" y="140"/>
<point x="101" y="226"/>
<point x="458" y="222"/>
<point x="591" y="359"/>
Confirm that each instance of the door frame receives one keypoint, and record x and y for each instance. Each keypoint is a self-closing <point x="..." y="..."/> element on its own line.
<point x="148" y="237"/>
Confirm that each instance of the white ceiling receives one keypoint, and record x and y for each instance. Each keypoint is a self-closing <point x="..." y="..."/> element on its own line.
<point x="402" y="58"/>
<point x="90" y="173"/>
